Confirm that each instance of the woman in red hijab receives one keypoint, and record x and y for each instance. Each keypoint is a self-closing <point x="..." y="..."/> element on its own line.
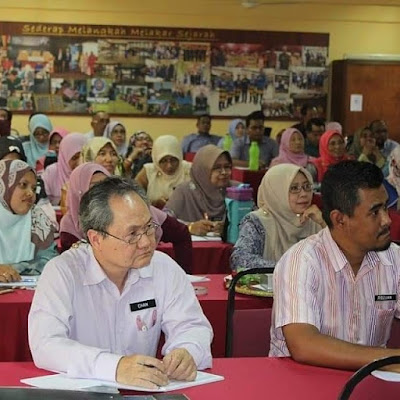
<point x="332" y="149"/>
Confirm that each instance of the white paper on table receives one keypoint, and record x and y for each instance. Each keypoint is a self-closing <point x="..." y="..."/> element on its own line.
<point x="61" y="381"/>
<point x="26" y="281"/>
<point x="197" y="278"/>
<point x="387" y="375"/>
<point x="196" y="238"/>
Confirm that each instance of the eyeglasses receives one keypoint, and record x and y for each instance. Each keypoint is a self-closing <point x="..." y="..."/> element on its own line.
<point x="148" y="230"/>
<point x="222" y="168"/>
<point x="295" y="189"/>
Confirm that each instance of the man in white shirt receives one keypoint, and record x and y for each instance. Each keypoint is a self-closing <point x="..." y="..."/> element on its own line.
<point x="100" y="119"/>
<point x="99" y="308"/>
<point x="337" y="292"/>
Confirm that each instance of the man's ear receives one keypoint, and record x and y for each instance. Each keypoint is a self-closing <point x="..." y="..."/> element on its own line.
<point x="94" y="238"/>
<point x="339" y="220"/>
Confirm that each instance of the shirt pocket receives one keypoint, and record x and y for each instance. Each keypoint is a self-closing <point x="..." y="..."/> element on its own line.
<point x="382" y="318"/>
<point x="146" y="330"/>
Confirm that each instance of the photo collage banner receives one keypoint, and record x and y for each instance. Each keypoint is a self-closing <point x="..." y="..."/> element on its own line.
<point x="154" y="71"/>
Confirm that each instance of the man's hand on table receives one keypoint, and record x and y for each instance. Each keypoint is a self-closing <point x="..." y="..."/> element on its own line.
<point x="179" y="365"/>
<point x="139" y="370"/>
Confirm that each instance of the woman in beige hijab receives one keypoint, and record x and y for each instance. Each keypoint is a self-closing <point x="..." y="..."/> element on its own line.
<point x="166" y="172"/>
<point x="285" y="216"/>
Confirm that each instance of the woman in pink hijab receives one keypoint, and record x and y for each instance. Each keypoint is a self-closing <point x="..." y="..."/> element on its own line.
<point x="57" y="174"/>
<point x="291" y="149"/>
<point x="55" y="138"/>
<point x="82" y="179"/>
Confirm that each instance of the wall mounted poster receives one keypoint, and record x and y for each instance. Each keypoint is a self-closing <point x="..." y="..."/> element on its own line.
<point x="154" y="71"/>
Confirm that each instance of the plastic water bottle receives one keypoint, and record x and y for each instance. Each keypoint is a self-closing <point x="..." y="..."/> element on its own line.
<point x="227" y="142"/>
<point x="254" y="156"/>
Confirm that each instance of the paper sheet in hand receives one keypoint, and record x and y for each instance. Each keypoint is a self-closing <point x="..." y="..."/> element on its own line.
<point x="61" y="381"/>
<point x="387" y="375"/>
<point x="26" y="281"/>
<point x="196" y="278"/>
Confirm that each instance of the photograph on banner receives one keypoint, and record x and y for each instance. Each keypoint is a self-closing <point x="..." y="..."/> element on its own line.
<point x="288" y="56"/>
<point x="315" y="56"/>
<point x="159" y="98"/>
<point x="317" y="100"/>
<point x="278" y="108"/>
<point x="237" y="55"/>
<point x="193" y="65"/>
<point x="160" y="70"/>
<point x="201" y="100"/>
<point x="181" y="100"/>
<point x="309" y="80"/>
<point x="239" y="91"/>
<point x="73" y="93"/>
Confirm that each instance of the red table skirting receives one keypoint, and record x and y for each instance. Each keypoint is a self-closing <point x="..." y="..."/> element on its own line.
<point x="254" y="378"/>
<point x="208" y="257"/>
<point x="14" y="309"/>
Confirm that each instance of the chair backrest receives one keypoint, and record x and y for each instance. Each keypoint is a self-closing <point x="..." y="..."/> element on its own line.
<point x="364" y="372"/>
<point x="252" y="332"/>
<point x="247" y="331"/>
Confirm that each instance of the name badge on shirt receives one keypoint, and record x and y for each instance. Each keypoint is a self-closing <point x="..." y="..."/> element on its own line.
<point x="385" y="297"/>
<point x="143" y="305"/>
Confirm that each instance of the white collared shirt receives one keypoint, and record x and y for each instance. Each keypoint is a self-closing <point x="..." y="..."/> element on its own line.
<point x="80" y="323"/>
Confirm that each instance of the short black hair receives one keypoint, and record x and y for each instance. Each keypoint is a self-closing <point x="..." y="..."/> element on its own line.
<point x="255" y="115"/>
<point x="316" y="122"/>
<point x="340" y="185"/>
<point x="204" y="116"/>
<point x="305" y="107"/>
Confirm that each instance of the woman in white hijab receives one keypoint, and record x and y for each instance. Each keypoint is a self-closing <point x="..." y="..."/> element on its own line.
<point x="285" y="216"/>
<point x="166" y="172"/>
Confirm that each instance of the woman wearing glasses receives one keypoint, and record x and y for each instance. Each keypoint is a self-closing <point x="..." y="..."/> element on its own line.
<point x="200" y="203"/>
<point x="116" y="131"/>
<point x="38" y="145"/>
<point x="166" y="172"/>
<point x="139" y="153"/>
<point x="285" y="216"/>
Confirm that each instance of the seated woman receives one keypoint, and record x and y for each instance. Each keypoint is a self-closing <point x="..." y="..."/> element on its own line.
<point x="138" y="153"/>
<point x="26" y="234"/>
<point x="236" y="130"/>
<point x="55" y="138"/>
<point x="11" y="149"/>
<point x="57" y="174"/>
<point x="200" y="203"/>
<point x="38" y="145"/>
<point x="365" y="148"/>
<point x="291" y="150"/>
<point x="101" y="150"/>
<point x="392" y="182"/>
<point x="82" y="179"/>
<point x="285" y="216"/>
<point x="116" y="131"/>
<point x="166" y="172"/>
<point x="332" y="149"/>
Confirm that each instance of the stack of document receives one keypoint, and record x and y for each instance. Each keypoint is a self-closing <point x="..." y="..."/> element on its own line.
<point x="62" y="381"/>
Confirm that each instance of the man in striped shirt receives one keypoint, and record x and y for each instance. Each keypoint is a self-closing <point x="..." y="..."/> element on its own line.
<point x="337" y="292"/>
